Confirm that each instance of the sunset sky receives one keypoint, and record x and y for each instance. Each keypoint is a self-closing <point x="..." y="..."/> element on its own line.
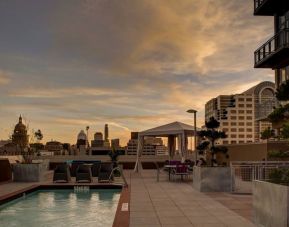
<point x="134" y="64"/>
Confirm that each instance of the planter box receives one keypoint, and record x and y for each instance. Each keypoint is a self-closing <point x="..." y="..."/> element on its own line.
<point x="28" y="172"/>
<point x="212" y="179"/>
<point x="270" y="203"/>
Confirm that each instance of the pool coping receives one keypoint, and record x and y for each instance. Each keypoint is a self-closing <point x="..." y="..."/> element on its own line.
<point x="121" y="218"/>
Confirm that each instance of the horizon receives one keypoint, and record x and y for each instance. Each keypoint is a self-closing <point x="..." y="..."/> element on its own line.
<point x="133" y="65"/>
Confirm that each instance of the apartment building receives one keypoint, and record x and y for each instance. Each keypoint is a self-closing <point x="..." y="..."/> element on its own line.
<point x="274" y="53"/>
<point x="242" y="116"/>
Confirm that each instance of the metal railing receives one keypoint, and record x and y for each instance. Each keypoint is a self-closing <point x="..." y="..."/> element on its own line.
<point x="277" y="42"/>
<point x="258" y="3"/>
<point x="244" y="173"/>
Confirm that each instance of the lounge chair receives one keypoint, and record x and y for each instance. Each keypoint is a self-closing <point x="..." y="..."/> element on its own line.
<point x="95" y="169"/>
<point x="61" y="173"/>
<point x="105" y="172"/>
<point x="83" y="173"/>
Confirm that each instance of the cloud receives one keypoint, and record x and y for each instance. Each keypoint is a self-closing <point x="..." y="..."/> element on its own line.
<point x="4" y="78"/>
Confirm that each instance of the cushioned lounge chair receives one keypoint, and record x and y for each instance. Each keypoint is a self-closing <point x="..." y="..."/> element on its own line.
<point x="181" y="170"/>
<point x="105" y="172"/>
<point x="61" y="173"/>
<point x="95" y="169"/>
<point x="83" y="173"/>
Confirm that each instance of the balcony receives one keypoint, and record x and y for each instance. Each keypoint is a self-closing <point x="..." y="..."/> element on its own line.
<point x="270" y="7"/>
<point x="274" y="53"/>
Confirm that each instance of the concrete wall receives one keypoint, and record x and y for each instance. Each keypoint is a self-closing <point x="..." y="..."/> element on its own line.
<point x="270" y="204"/>
<point x="28" y="172"/>
<point x="212" y="179"/>
<point x="254" y="151"/>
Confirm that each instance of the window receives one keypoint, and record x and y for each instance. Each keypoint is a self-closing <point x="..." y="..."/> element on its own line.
<point x="249" y="123"/>
<point x="241" y="111"/>
<point x="249" y="99"/>
<point x="241" y="123"/>
<point x="241" y="99"/>
<point x="241" y="141"/>
<point x="249" y="117"/>
<point x="233" y="136"/>
<point x="225" y="129"/>
<point x="249" y="105"/>
<point x="249" y="136"/>
<point x="241" y="130"/>
<point x="233" y="111"/>
<point x="249" y="130"/>
<point x="233" y="142"/>
<point x="241" y="105"/>
<point x="225" y="123"/>
<point x="234" y="123"/>
<point x="241" y="136"/>
<point x="249" y="111"/>
<point x="233" y="130"/>
<point x="233" y="118"/>
<point x="225" y="142"/>
<point x="241" y="117"/>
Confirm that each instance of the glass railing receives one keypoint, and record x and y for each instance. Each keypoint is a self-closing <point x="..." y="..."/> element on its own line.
<point x="277" y="42"/>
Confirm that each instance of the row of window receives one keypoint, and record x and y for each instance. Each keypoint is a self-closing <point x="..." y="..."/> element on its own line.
<point x="241" y="118"/>
<point x="239" y="123"/>
<point x="239" y="130"/>
<point x="243" y="105"/>
<point x="241" y="111"/>
<point x="247" y="99"/>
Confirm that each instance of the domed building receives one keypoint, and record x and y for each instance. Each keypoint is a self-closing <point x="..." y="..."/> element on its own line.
<point x="20" y="137"/>
<point x="82" y="142"/>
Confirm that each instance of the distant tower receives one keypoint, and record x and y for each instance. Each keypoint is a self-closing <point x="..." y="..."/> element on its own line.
<point x="106" y="132"/>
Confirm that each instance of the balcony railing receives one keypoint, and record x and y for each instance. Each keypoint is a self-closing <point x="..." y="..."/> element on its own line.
<point x="258" y="3"/>
<point x="272" y="46"/>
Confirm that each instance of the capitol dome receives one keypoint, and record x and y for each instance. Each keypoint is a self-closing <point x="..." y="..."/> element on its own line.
<point x="81" y="135"/>
<point x="20" y="127"/>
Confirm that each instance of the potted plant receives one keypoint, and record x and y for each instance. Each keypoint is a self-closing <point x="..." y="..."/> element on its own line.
<point x="214" y="176"/>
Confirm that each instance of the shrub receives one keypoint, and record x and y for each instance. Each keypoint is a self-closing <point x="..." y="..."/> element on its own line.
<point x="278" y="154"/>
<point x="279" y="176"/>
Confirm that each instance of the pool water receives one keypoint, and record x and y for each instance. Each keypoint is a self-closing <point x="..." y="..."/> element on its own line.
<point x="62" y="208"/>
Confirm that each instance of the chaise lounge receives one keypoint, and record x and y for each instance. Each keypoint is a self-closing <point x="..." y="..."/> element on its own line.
<point x="105" y="172"/>
<point x="61" y="173"/>
<point x="83" y="173"/>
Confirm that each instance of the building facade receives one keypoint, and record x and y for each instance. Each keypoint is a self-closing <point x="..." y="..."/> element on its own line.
<point x="274" y="53"/>
<point x="152" y="146"/>
<point x="242" y="116"/>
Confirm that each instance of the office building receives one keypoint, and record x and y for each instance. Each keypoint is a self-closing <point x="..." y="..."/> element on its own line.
<point x="242" y="116"/>
<point x="152" y="146"/>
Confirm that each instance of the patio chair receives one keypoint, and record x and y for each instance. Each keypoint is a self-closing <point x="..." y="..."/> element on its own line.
<point x="83" y="173"/>
<point x="181" y="170"/>
<point x="105" y="172"/>
<point x="61" y="173"/>
<point x="95" y="169"/>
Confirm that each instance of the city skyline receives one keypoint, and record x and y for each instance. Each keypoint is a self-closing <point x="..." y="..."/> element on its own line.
<point x="131" y="64"/>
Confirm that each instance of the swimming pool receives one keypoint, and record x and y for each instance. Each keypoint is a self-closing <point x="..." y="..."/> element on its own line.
<point x="96" y="207"/>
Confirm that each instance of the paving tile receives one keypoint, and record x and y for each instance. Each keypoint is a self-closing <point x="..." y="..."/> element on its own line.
<point x="144" y="221"/>
<point x="175" y="221"/>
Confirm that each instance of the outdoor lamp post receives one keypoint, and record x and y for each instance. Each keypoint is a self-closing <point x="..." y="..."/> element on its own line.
<point x="195" y="126"/>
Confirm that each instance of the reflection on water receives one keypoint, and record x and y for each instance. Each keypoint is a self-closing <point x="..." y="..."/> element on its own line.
<point x="62" y="208"/>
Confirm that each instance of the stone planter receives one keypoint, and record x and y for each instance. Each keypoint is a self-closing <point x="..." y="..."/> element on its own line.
<point x="28" y="172"/>
<point x="270" y="204"/>
<point x="212" y="179"/>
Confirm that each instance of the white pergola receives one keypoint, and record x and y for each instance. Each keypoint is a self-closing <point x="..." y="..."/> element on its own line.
<point x="171" y="131"/>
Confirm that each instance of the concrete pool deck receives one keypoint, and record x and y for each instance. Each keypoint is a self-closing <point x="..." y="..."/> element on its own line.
<point x="170" y="203"/>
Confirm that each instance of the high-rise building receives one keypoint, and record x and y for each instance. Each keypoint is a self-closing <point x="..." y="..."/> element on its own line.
<point x="152" y="146"/>
<point x="274" y="53"/>
<point x="115" y="144"/>
<point x="98" y="140"/>
<point x="242" y="116"/>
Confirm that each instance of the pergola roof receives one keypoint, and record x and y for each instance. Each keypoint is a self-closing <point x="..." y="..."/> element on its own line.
<point x="173" y="128"/>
